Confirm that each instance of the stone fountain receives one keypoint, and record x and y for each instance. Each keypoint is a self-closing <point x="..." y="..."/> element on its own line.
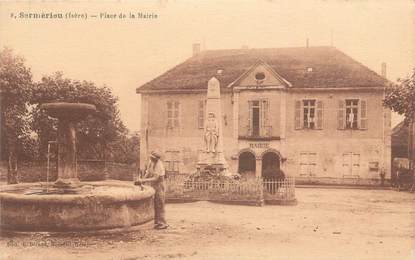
<point x="70" y="205"/>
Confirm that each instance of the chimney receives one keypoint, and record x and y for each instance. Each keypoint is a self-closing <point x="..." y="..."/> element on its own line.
<point x="383" y="69"/>
<point x="306" y="43"/>
<point x="196" y="48"/>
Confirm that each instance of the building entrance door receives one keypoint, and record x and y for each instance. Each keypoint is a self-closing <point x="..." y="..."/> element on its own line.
<point x="247" y="165"/>
<point x="270" y="165"/>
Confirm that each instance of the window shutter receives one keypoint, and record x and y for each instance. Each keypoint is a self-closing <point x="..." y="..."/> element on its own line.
<point x="176" y="114"/>
<point x="355" y="164"/>
<point x="264" y="116"/>
<point x="169" y="114"/>
<point x="347" y="160"/>
<point x="319" y="114"/>
<point x="363" y="114"/>
<point x="303" y="164"/>
<point x="249" y="127"/>
<point x="341" y="115"/>
<point x="298" y="118"/>
<point x="312" y="163"/>
<point x="201" y="114"/>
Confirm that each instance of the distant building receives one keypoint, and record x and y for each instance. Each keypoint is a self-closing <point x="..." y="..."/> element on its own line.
<point x="400" y="148"/>
<point x="313" y="112"/>
<point x="400" y="137"/>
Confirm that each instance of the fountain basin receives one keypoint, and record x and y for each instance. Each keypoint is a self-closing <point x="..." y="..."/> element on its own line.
<point x="68" y="110"/>
<point x="95" y="206"/>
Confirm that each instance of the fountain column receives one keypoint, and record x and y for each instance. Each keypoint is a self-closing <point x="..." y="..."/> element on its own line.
<point x="67" y="174"/>
<point x="68" y="114"/>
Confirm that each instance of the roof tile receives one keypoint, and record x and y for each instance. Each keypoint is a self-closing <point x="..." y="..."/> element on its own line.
<point x="331" y="69"/>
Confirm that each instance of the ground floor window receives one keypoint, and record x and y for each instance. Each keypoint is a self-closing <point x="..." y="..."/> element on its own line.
<point x="172" y="161"/>
<point x="308" y="162"/>
<point x="351" y="164"/>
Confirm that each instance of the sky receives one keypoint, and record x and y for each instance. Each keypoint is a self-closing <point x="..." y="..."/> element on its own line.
<point x="126" y="53"/>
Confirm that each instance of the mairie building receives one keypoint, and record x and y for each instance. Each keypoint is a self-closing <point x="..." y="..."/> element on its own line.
<point x="312" y="112"/>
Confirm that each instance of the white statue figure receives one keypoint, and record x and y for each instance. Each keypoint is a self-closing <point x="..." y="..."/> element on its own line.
<point x="211" y="133"/>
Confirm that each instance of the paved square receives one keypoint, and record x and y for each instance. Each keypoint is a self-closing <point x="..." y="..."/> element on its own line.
<point x="326" y="224"/>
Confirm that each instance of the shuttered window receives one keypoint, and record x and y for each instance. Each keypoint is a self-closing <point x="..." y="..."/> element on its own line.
<point x="258" y="118"/>
<point x="172" y="161"/>
<point x="351" y="164"/>
<point x="308" y="114"/>
<point x="173" y="114"/>
<point x="352" y="114"/>
<point x="308" y="163"/>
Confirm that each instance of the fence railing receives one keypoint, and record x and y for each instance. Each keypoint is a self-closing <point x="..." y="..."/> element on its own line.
<point x="251" y="191"/>
<point x="275" y="189"/>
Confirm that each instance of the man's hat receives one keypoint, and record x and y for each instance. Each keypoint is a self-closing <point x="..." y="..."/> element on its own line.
<point x="155" y="155"/>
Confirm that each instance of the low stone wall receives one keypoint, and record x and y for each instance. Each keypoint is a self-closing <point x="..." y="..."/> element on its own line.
<point x="122" y="172"/>
<point x="87" y="171"/>
<point x="340" y="181"/>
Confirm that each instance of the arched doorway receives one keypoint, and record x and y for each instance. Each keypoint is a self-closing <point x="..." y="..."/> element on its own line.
<point x="270" y="165"/>
<point x="247" y="164"/>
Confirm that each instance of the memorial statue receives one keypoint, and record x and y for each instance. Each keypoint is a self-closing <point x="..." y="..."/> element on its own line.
<point x="212" y="158"/>
<point x="211" y="133"/>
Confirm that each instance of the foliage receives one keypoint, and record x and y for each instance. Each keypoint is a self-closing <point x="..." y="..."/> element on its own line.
<point x="401" y="98"/>
<point x="95" y="132"/>
<point x="125" y="149"/>
<point x="15" y="92"/>
<point x="15" y="88"/>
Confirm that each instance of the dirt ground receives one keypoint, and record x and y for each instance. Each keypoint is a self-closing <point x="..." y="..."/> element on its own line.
<point x="326" y="224"/>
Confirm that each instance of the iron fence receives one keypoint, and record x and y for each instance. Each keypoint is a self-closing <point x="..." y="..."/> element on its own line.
<point x="180" y="187"/>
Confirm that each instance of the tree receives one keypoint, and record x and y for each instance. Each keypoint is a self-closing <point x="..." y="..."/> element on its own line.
<point x="95" y="132"/>
<point x="401" y="98"/>
<point x="15" y="92"/>
<point x="125" y="149"/>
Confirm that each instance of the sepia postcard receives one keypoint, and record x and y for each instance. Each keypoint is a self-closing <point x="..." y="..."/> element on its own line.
<point x="184" y="129"/>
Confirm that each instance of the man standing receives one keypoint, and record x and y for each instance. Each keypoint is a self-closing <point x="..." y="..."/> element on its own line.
<point x="154" y="174"/>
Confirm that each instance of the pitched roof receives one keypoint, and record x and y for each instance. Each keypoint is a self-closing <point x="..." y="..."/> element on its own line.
<point x="331" y="69"/>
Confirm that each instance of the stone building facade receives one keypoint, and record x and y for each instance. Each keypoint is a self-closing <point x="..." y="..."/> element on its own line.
<point x="312" y="112"/>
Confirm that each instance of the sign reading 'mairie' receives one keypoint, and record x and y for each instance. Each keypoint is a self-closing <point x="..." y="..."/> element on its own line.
<point x="258" y="145"/>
